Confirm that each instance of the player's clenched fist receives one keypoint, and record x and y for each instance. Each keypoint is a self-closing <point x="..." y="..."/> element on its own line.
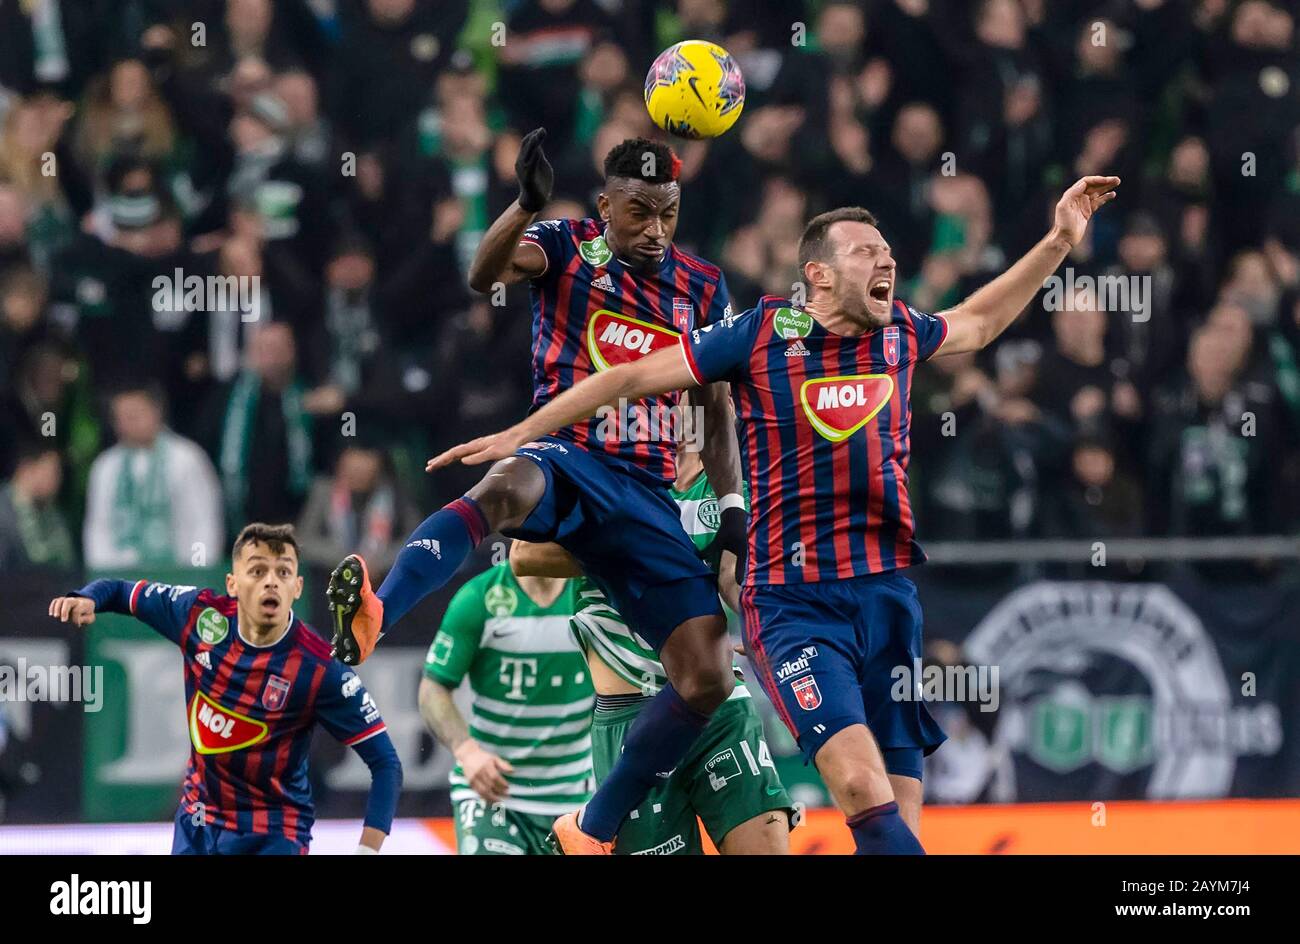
<point x="484" y="770"/>
<point x="80" y="611"/>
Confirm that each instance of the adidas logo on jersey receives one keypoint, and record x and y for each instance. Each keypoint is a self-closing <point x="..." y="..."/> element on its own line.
<point x="604" y="282"/>
<point x="796" y="349"/>
<point x="204" y="659"/>
<point x="433" y="547"/>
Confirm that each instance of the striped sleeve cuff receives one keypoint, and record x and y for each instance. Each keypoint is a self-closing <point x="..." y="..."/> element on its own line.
<point x="377" y="728"/>
<point x="691" y="365"/>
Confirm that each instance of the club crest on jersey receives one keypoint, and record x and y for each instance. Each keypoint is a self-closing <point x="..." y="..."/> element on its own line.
<point x="682" y="311"/>
<point x="218" y="730"/>
<point x="614" y="339"/>
<point x="275" y="693"/>
<point x="807" y="693"/>
<point x="891" y="345"/>
<point x="837" y="407"/>
<point x="500" y="601"/>
<point x="595" y="251"/>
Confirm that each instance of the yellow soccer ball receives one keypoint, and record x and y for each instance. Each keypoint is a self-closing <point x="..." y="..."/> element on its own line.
<point x="694" y="90"/>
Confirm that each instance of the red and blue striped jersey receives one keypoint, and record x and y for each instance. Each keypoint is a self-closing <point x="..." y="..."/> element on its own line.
<point x="825" y="423"/>
<point x="591" y="312"/>
<point x="251" y="710"/>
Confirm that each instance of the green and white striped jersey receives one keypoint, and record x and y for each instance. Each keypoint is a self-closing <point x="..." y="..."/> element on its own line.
<point x="600" y="630"/>
<point x="532" y="698"/>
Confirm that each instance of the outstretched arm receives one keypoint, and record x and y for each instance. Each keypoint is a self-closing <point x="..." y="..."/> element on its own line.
<point x="988" y="312"/>
<point x="656" y="373"/>
<point x="500" y="256"/>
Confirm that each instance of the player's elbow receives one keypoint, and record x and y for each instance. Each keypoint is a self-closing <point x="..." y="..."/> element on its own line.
<point x="479" y="280"/>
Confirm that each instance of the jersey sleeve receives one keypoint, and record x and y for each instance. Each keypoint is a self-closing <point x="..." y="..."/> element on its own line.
<point x="549" y="236"/>
<point x="720" y="304"/>
<point x="721" y="350"/>
<point x="163" y="607"/>
<point x="452" y="651"/>
<point x="930" y="332"/>
<point x="345" y="709"/>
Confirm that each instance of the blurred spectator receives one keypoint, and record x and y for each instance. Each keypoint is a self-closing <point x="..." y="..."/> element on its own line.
<point x="22" y="319"/>
<point x="261" y="431"/>
<point x="358" y="510"/>
<point x="46" y="43"/>
<point x="123" y="114"/>
<point x="33" y="532"/>
<point x="287" y="196"/>
<point x="153" y="499"/>
<point x="30" y="153"/>
<point x="392" y="52"/>
<point x="539" y="82"/>
<point x="1213" y="437"/>
<point x="1099" y="500"/>
<point x="1077" y="383"/>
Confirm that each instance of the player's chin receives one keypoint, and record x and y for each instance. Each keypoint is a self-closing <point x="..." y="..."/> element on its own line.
<point x="879" y="306"/>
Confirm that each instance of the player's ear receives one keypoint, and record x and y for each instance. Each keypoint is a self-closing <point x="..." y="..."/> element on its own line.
<point x="297" y="586"/>
<point x="602" y="206"/>
<point x="815" y="273"/>
<point x="230" y="585"/>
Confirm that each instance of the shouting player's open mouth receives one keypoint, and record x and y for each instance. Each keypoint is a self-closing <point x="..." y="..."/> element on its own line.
<point x="878" y="294"/>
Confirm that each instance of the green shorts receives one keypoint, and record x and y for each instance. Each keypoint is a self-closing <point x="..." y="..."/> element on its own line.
<point x="494" y="830"/>
<point x="726" y="779"/>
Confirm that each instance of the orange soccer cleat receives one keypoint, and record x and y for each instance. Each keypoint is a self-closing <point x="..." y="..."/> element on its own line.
<point x="569" y="839"/>
<point x="358" y="612"/>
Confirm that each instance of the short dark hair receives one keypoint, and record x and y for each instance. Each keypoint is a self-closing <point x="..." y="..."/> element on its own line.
<point x="628" y="160"/>
<point x="275" y="536"/>
<point x="815" y="245"/>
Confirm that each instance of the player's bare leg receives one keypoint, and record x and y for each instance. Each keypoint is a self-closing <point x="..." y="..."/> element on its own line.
<point x="765" y="834"/>
<point x="853" y="769"/>
<point x="908" y="794"/>
<point x="697" y="660"/>
<point x="433" y="552"/>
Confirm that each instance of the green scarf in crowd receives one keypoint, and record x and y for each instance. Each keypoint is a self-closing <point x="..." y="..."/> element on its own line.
<point x="237" y="436"/>
<point x="142" y="507"/>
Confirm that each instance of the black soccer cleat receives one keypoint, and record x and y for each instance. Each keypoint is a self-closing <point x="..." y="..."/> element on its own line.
<point x="357" y="613"/>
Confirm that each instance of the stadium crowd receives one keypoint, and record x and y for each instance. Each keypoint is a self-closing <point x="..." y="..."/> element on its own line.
<point x="351" y="153"/>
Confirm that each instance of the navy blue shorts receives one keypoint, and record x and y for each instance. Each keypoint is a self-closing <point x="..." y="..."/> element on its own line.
<point x="826" y="653"/>
<point x="627" y="534"/>
<point x="206" y="839"/>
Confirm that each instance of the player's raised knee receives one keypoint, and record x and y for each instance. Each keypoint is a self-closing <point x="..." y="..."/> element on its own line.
<point x="509" y="492"/>
<point x="706" y="686"/>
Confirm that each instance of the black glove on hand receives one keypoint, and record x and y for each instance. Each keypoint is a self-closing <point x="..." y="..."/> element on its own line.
<point x="733" y="536"/>
<point x="536" y="178"/>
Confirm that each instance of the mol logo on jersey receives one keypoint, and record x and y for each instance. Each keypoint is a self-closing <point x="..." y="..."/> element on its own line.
<point x="837" y="407"/>
<point x="216" y="730"/>
<point x="614" y="339"/>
